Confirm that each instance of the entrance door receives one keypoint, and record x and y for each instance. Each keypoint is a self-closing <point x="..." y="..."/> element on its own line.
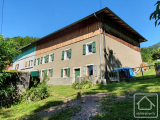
<point x="77" y="73"/>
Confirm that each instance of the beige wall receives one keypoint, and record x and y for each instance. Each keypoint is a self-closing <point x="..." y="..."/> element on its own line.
<point x="77" y="58"/>
<point x="123" y="56"/>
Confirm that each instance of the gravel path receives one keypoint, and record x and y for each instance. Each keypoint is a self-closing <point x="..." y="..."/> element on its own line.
<point x="89" y="104"/>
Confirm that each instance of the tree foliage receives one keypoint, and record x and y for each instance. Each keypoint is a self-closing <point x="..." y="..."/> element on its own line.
<point x="7" y="53"/>
<point x="19" y="42"/>
<point x="156" y="14"/>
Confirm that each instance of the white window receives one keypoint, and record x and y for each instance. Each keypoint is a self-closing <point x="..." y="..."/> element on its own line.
<point x="49" y="72"/>
<point x="31" y="63"/>
<point x="42" y="73"/>
<point x="89" y="48"/>
<point x="65" y="72"/>
<point x="16" y="67"/>
<point x="50" y="57"/>
<point x="66" y="54"/>
<point x="37" y="62"/>
<point x="43" y="60"/>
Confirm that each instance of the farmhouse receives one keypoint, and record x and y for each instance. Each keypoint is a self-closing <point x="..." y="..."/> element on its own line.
<point x="91" y="46"/>
<point x="25" y="61"/>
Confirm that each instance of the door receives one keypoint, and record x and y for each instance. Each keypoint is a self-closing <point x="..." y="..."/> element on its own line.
<point x="77" y="73"/>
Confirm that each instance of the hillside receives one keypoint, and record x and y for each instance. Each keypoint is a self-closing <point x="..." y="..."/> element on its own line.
<point x="155" y="46"/>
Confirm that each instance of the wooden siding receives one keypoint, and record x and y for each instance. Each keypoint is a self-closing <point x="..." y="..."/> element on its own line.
<point x="75" y="33"/>
<point x="120" y="31"/>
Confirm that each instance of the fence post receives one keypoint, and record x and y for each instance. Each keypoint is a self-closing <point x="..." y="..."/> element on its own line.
<point x="142" y="73"/>
<point x="157" y="69"/>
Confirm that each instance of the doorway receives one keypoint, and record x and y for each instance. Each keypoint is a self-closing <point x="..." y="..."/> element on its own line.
<point x="77" y="73"/>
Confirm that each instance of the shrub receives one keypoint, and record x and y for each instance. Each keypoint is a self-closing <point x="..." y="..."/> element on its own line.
<point x="83" y="85"/>
<point x="37" y="93"/>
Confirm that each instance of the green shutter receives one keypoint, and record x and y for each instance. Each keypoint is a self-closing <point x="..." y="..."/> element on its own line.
<point x="62" y="55"/>
<point x="38" y="61"/>
<point x="47" y="58"/>
<point x="94" y="47"/>
<point x="84" y="49"/>
<point x="68" y="72"/>
<point x="70" y="51"/>
<point x="51" y="72"/>
<point x="61" y="72"/>
<point x="41" y="59"/>
<point x="53" y="57"/>
<point x="34" y="62"/>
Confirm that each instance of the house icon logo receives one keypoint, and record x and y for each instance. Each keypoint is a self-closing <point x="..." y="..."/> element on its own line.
<point x="145" y="105"/>
<point x="149" y="102"/>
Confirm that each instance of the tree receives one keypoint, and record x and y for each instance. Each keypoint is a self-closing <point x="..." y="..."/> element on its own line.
<point x="156" y="55"/>
<point x="156" y="14"/>
<point x="7" y="53"/>
<point x="19" y="42"/>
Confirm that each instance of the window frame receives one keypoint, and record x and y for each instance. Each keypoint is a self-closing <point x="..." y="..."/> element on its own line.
<point x="87" y="52"/>
<point x="64" y="72"/>
<point x="43" y="60"/>
<point x="86" y="69"/>
<point x="50" y="59"/>
<point x="65" y="54"/>
<point x="42" y="72"/>
<point x="48" y="71"/>
<point x="37" y="61"/>
<point x="16" y="68"/>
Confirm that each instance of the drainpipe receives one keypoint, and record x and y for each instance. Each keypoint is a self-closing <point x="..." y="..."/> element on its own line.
<point x="99" y="45"/>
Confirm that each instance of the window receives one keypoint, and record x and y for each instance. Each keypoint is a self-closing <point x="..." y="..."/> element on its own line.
<point x="51" y="57"/>
<point x="89" y="48"/>
<point x="26" y="63"/>
<point x="37" y="61"/>
<point x="89" y="70"/>
<point x="50" y="72"/>
<point x="43" y="73"/>
<point x="43" y="60"/>
<point x="31" y="63"/>
<point x="16" y="67"/>
<point x="66" y="54"/>
<point x="65" y="72"/>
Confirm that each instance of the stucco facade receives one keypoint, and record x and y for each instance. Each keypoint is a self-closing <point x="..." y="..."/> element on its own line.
<point x="77" y="60"/>
<point x="25" y="61"/>
<point x="80" y="42"/>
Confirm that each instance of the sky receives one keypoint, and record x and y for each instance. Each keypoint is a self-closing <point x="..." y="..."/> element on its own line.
<point x="38" y="18"/>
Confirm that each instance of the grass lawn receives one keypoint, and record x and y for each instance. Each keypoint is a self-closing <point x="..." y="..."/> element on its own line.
<point x="61" y="92"/>
<point x="147" y="74"/>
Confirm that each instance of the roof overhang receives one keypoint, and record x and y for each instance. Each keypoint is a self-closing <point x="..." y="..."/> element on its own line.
<point x="107" y="12"/>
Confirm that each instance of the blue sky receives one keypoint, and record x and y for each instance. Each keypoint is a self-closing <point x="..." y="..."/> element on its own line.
<point x="39" y="18"/>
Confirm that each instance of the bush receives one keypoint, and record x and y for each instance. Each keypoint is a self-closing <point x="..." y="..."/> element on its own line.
<point x="37" y="93"/>
<point x="83" y="85"/>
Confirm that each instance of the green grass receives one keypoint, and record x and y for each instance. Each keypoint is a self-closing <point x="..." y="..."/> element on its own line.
<point x="64" y="114"/>
<point x="61" y="92"/>
<point x="157" y="62"/>
<point x="146" y="74"/>
<point x="121" y="109"/>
